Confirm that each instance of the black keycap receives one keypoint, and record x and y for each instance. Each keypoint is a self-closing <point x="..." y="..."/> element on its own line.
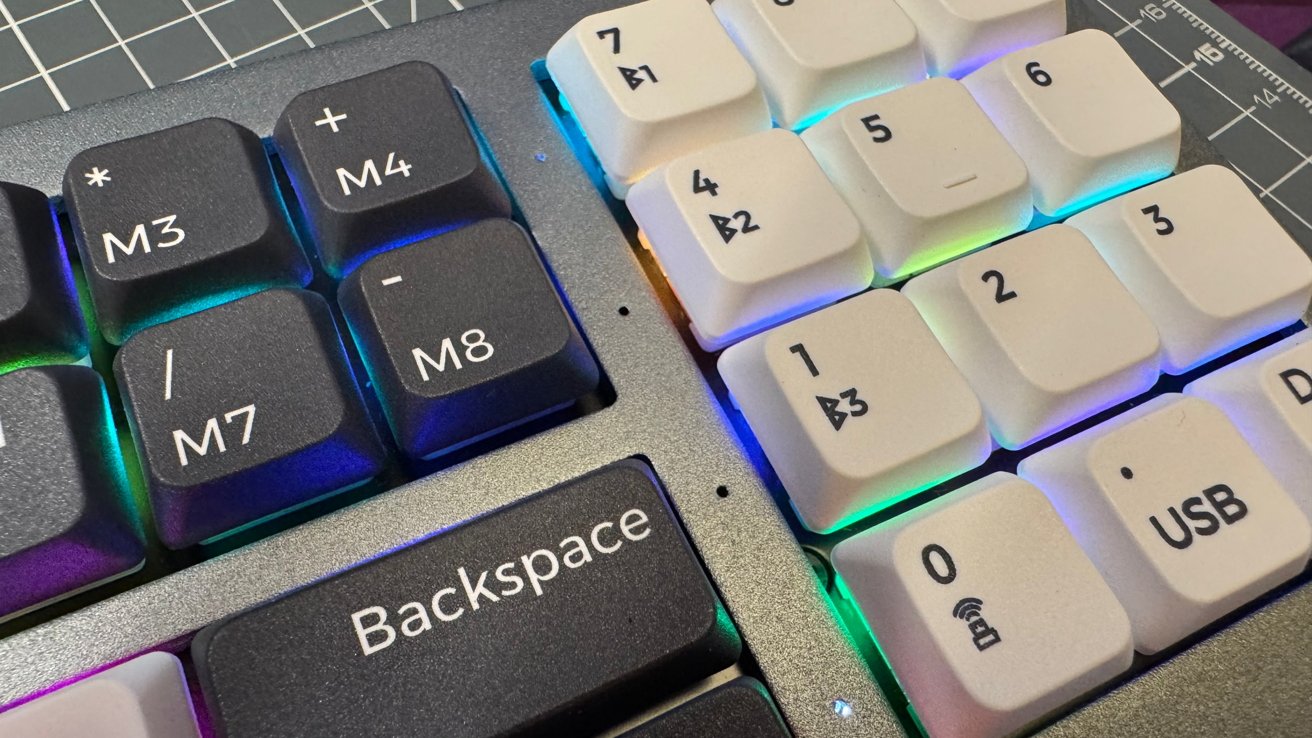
<point x="384" y="158"/>
<point x="40" y="322"/>
<point x="463" y="334"/>
<point x="66" y="521"/>
<point x="243" y="411"/>
<point x="178" y="220"/>
<point x="739" y="709"/>
<point x="548" y="617"/>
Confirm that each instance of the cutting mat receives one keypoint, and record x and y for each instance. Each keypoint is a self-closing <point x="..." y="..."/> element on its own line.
<point x="61" y="54"/>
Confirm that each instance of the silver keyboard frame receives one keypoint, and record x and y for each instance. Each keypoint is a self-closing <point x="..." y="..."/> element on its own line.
<point x="1249" y="679"/>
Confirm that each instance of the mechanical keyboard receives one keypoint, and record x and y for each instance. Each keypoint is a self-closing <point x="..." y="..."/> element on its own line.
<point x="670" y="368"/>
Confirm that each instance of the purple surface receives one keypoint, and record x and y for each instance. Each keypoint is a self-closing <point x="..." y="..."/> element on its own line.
<point x="1277" y="21"/>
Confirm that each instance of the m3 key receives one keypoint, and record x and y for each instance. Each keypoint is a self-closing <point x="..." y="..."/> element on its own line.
<point x="177" y="220"/>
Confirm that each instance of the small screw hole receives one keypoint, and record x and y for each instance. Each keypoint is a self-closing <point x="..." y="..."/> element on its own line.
<point x="722" y="491"/>
<point x="624" y="310"/>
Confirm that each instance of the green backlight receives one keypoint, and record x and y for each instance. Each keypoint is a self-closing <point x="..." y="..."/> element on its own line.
<point x="932" y="257"/>
<point x="888" y="502"/>
<point x="41" y="360"/>
<point x="862" y="637"/>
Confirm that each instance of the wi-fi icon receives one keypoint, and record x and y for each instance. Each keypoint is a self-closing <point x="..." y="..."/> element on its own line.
<point x="968" y="609"/>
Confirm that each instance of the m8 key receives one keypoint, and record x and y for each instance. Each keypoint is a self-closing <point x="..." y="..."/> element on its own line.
<point x="243" y="411"/>
<point x="464" y="334"/>
<point x="382" y="158"/>
<point x="176" y="220"/>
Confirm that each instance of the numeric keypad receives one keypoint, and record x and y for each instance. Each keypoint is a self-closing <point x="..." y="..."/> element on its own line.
<point x="970" y="597"/>
<point x="1177" y="512"/>
<point x="926" y="172"/>
<point x="1042" y="328"/>
<point x="815" y="56"/>
<point x="1086" y="121"/>
<point x="1205" y="258"/>
<point x="962" y="35"/>
<point x="654" y="81"/>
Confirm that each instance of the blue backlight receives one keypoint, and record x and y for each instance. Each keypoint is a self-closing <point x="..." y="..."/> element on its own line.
<point x="1107" y="194"/>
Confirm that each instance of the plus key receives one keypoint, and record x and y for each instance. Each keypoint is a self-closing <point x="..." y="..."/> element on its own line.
<point x="383" y="159"/>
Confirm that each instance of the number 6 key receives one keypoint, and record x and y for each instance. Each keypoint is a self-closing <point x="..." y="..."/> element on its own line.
<point x="1086" y="121"/>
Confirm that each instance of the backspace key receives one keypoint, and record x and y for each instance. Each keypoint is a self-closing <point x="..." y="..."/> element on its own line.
<point x="545" y="617"/>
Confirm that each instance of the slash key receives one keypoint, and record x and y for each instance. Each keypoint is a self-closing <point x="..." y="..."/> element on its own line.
<point x="243" y="411"/>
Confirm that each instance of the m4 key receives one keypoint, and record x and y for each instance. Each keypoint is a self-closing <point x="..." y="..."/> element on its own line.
<point x="243" y="411"/>
<point x="464" y="334"/>
<point x="382" y="158"/>
<point x="174" y="221"/>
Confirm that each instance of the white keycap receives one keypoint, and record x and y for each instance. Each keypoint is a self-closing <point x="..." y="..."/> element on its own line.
<point x="1206" y="260"/>
<point x="1044" y="331"/>
<point x="653" y="81"/>
<point x="856" y="407"/>
<point x="1086" y="121"/>
<point x="960" y="36"/>
<point x="1268" y="396"/>
<point x="926" y="173"/>
<point x="750" y="233"/>
<point x="813" y="57"/>
<point x="987" y="610"/>
<point x="142" y="698"/>
<point x="1177" y="512"/>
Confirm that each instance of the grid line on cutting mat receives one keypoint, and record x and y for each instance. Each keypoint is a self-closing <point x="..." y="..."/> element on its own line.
<point x="61" y="54"/>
